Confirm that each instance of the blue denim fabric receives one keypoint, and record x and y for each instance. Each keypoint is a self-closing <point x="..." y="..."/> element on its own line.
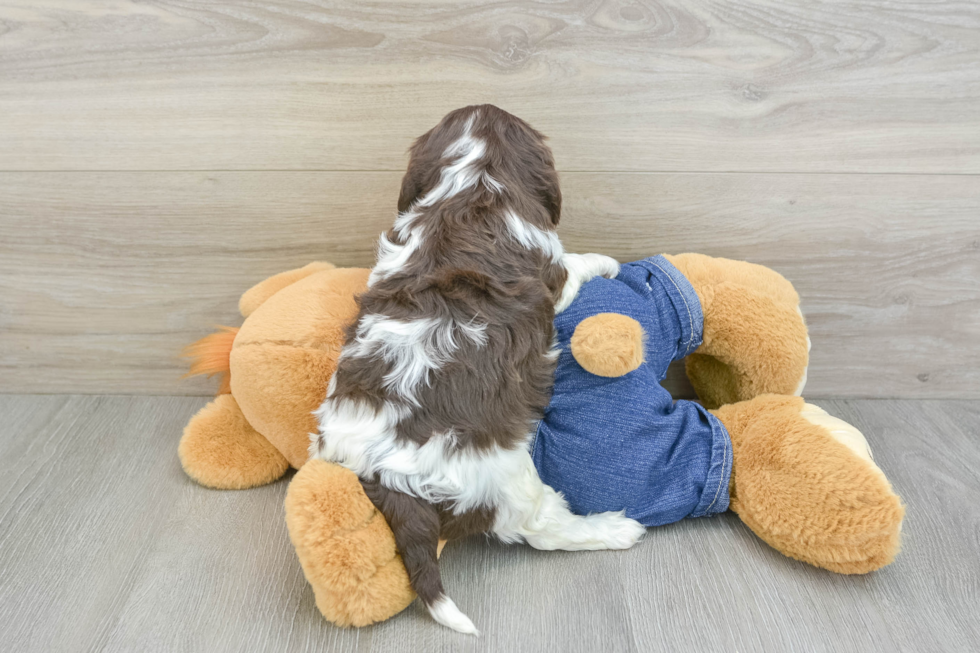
<point x="623" y="443"/>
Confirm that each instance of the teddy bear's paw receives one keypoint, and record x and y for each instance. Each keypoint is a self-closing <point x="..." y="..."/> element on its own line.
<point x="345" y="547"/>
<point x="805" y="482"/>
<point x="221" y="450"/>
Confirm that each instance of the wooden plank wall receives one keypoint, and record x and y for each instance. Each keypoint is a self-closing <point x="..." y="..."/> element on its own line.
<point x="157" y="158"/>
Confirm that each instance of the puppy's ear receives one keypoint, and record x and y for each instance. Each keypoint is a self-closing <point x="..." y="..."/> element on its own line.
<point x="413" y="183"/>
<point x="552" y="197"/>
<point x="411" y="190"/>
<point x="539" y="166"/>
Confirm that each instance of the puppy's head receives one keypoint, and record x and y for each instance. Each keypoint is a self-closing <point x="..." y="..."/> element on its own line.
<point x="489" y="150"/>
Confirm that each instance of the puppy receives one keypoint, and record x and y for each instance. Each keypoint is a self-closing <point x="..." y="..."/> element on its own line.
<point x="450" y="361"/>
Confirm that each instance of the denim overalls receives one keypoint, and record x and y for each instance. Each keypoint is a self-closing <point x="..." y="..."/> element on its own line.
<point x="623" y="443"/>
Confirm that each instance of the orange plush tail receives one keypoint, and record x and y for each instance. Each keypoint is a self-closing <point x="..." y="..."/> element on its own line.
<point x="211" y="355"/>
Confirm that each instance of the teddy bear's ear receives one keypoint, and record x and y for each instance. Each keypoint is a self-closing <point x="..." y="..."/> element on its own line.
<point x="260" y="292"/>
<point x="608" y="344"/>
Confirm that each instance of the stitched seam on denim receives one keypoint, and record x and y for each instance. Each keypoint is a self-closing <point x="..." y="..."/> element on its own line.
<point x="720" y="480"/>
<point x="690" y="315"/>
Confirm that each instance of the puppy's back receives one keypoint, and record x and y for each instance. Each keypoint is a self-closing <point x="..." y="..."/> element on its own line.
<point x="448" y="363"/>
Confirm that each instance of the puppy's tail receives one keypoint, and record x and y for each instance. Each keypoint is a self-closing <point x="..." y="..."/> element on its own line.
<point x="415" y="524"/>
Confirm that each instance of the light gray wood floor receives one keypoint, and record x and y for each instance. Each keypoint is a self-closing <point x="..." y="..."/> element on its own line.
<point x="105" y="545"/>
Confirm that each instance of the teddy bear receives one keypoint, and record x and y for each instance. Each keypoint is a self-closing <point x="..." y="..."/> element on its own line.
<point x="611" y="438"/>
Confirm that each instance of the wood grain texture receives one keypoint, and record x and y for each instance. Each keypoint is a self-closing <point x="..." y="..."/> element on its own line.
<point x="765" y="85"/>
<point x="105" y="276"/>
<point x="106" y="546"/>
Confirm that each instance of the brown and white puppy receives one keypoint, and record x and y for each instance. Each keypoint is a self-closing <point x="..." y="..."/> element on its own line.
<point x="450" y="361"/>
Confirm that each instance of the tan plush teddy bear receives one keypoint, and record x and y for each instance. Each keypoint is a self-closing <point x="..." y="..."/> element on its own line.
<point x="801" y="479"/>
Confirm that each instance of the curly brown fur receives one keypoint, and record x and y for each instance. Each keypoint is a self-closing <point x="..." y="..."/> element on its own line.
<point x="453" y="334"/>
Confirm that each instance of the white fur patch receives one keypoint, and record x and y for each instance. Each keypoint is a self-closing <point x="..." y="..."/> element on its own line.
<point x="353" y="434"/>
<point x="445" y="612"/>
<point x="554" y="351"/>
<point x="392" y="257"/>
<point x="414" y="348"/>
<point x="462" y="174"/>
<point x="357" y="437"/>
<point x="534" y="512"/>
<point x="533" y="238"/>
<point x="581" y="268"/>
<point x="553" y="354"/>
<point x="363" y="440"/>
